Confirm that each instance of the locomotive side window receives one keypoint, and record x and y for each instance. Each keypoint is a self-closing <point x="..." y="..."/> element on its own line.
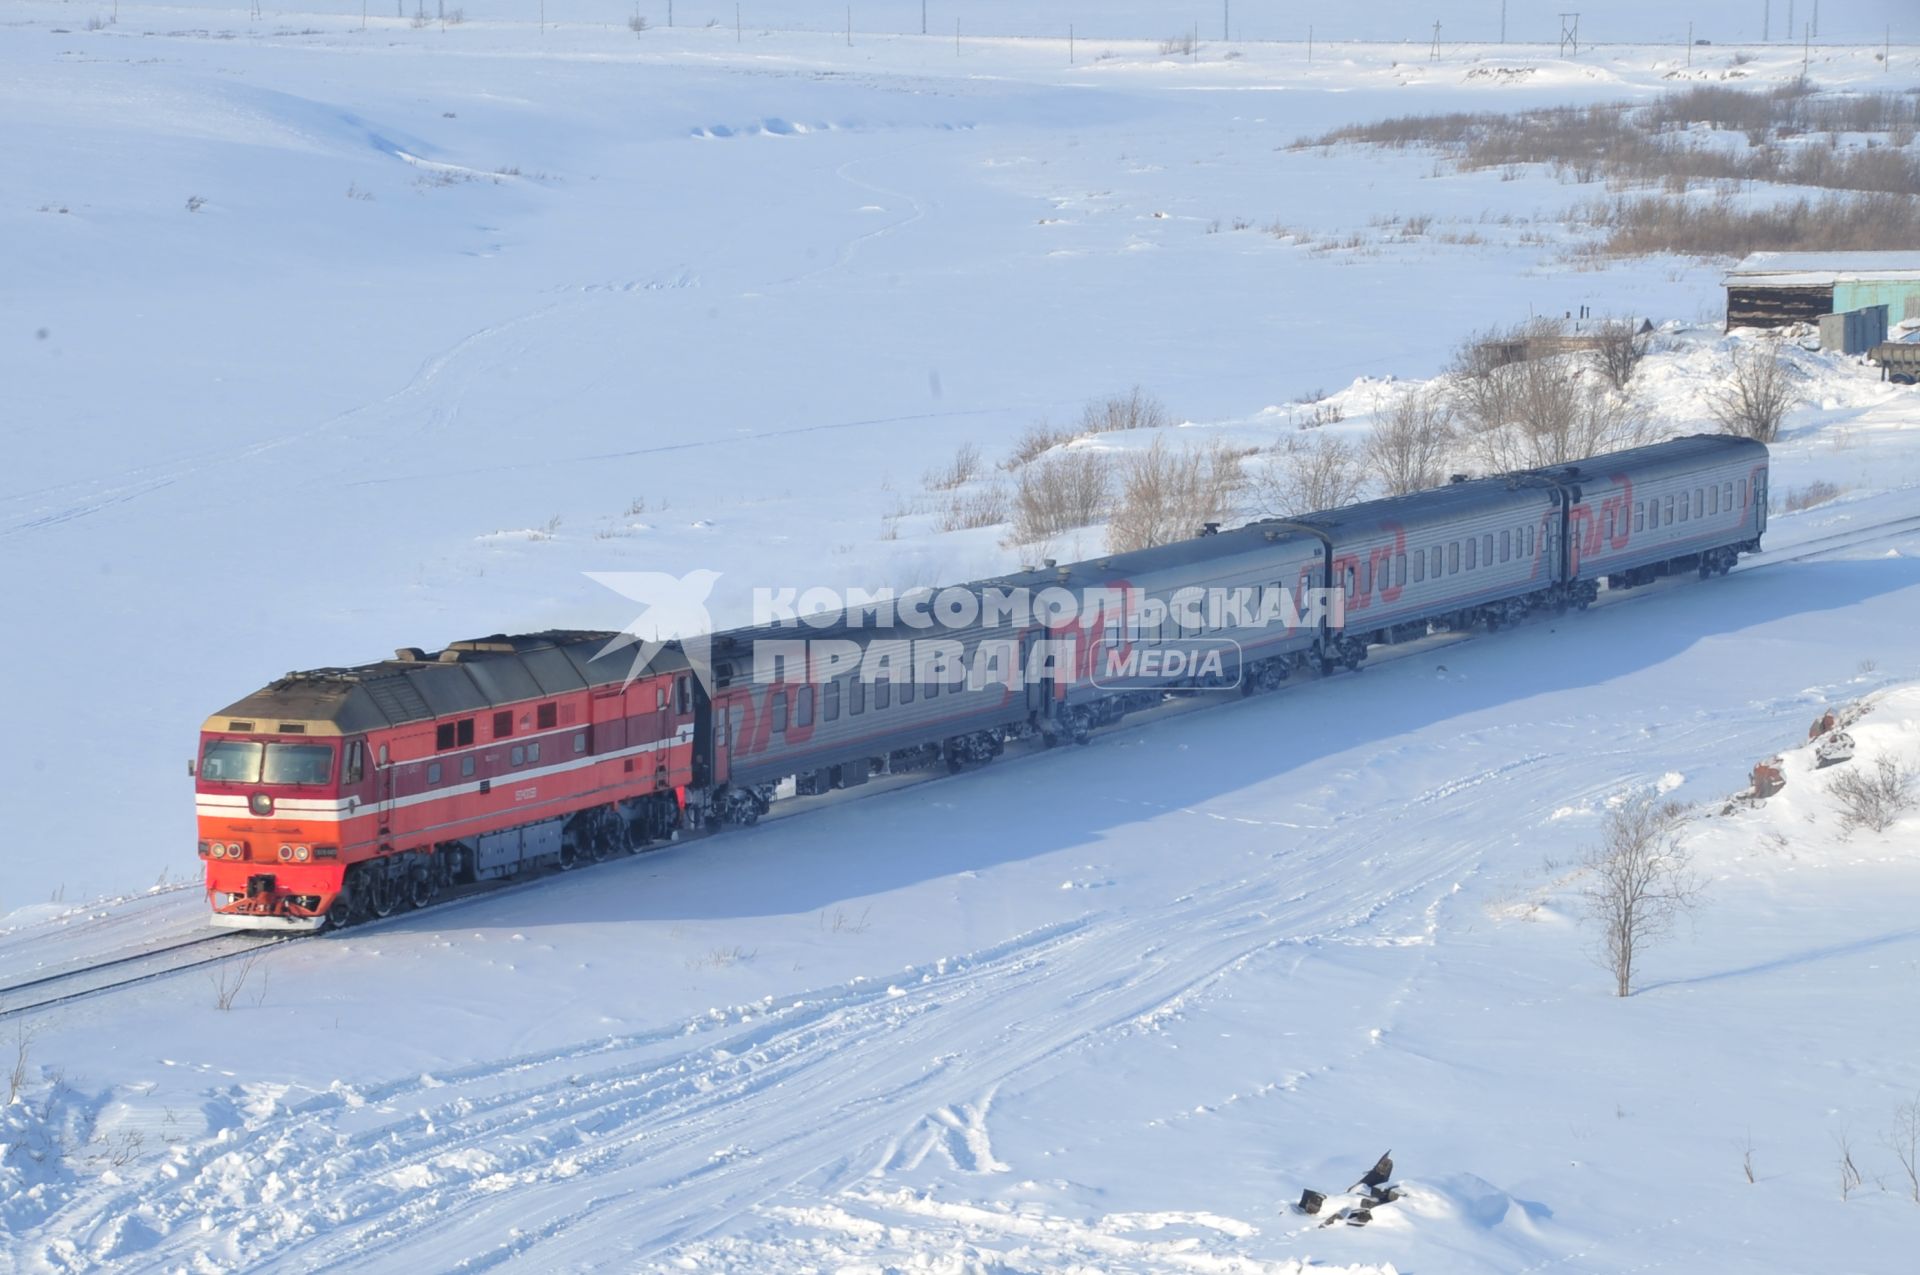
<point x="463" y="731"/>
<point x="355" y="762"/>
<point x="683" y="693"/>
<point x="383" y="754"/>
<point x="443" y="735"/>
<point x="547" y="716"/>
<point x="502" y="725"/>
<point x="466" y="766"/>
<point x="519" y="756"/>
<point x="659" y="699"/>
<point x="533" y="751"/>
<point x="433" y="773"/>
<point x="580" y="742"/>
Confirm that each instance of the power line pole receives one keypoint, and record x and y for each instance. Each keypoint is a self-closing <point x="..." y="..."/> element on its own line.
<point x="1433" y="54"/>
<point x="1309" y="42"/>
<point x="1503" y="21"/>
<point x="1069" y="44"/>
<point x="1766" y="20"/>
<point x="1689" y="44"/>
<point x="923" y="17"/>
<point x="1226" y="21"/>
<point x="1569" y="33"/>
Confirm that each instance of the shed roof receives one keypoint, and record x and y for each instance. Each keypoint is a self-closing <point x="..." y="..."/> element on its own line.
<point x="1820" y="269"/>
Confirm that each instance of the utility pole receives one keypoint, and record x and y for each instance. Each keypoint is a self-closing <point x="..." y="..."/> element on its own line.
<point x="736" y="24"/>
<point x="1309" y="42"/>
<point x="669" y="12"/>
<point x="1789" y="19"/>
<point x="1503" y="21"/>
<point x="1806" y="49"/>
<point x="1069" y="44"/>
<point x="923" y="17"/>
<point x="1569" y="33"/>
<point x="1689" y="44"/>
<point x="1766" y="20"/>
<point x="1433" y="54"/>
<point x="1816" y="19"/>
<point x="849" y="26"/>
<point x="1226" y="21"/>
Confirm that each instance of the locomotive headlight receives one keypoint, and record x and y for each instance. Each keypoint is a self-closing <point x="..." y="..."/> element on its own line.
<point x="286" y="854"/>
<point x="217" y="850"/>
<point x="300" y="854"/>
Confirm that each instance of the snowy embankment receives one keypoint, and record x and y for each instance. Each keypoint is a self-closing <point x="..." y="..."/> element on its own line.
<point x="486" y="314"/>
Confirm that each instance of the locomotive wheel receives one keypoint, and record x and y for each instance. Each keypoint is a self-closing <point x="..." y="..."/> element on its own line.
<point x="419" y="890"/>
<point x="569" y="856"/>
<point x="380" y="895"/>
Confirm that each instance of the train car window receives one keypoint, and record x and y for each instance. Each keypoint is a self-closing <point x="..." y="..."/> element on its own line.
<point x="1666" y="515"/>
<point x="502" y="724"/>
<point x="1435" y="572"/>
<point x="547" y="716"/>
<point x="830" y="702"/>
<point x="882" y="693"/>
<point x="466" y="766"/>
<point x="580" y="741"/>
<point x="1419" y="565"/>
<point x="1400" y="570"/>
<point x="1699" y="503"/>
<point x="519" y="755"/>
<point x="433" y="773"/>
<point x="1506" y="541"/>
<point x="354" y="762"/>
<point x="1453" y="557"/>
<point x="1713" y="499"/>
<point x="1741" y="487"/>
<point x="930" y="688"/>
<point x="533" y="751"/>
<point x="683" y="693"/>
<point x="1486" y="549"/>
<point x="443" y="735"/>
<point x="1529" y="540"/>
<point x="803" y="706"/>
<point x="1473" y="547"/>
<point x="1726" y="496"/>
<point x="1683" y="506"/>
<point x="906" y="691"/>
<point x="777" y="706"/>
<point x="1639" y="515"/>
<point x="1366" y="577"/>
<point x="856" y="696"/>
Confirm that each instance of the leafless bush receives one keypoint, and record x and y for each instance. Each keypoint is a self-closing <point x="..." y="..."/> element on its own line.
<point x="195" y="203"/>
<point x="1817" y="492"/>
<point x="636" y="24"/>
<point x="1836" y="223"/>
<point x="1036" y="441"/>
<point x="1874" y="799"/>
<point x="1537" y="411"/>
<point x="230" y="978"/>
<point x="1181" y="44"/>
<point x="1618" y="348"/>
<point x="1135" y="409"/>
<point x="1640" y="882"/>
<point x="1746" y="1160"/>
<point x="982" y="507"/>
<point x="1407" y="445"/>
<point x="1305" y="474"/>
<point x="962" y="469"/>
<point x="1849" y="1173"/>
<point x="22" y="1056"/>
<point x="1168" y="494"/>
<point x="1758" y="395"/>
<point x="1903" y="1139"/>
<point x="1059" y="492"/>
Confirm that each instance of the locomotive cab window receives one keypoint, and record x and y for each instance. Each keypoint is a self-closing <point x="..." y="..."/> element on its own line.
<point x="683" y="693"/>
<point x="355" y="762"/>
<point x="232" y="761"/>
<point x="547" y="716"/>
<point x="305" y="764"/>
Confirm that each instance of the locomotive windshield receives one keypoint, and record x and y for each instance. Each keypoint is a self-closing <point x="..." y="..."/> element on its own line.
<point x="237" y="761"/>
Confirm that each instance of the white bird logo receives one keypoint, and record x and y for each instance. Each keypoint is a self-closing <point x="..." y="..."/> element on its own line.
<point x="673" y="610"/>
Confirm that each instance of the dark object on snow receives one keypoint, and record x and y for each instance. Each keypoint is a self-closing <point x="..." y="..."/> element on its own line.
<point x="1359" y="1217"/>
<point x="1382" y="1170"/>
<point x="1826" y="722"/>
<point x="1310" y="1201"/>
<point x="1767" y="778"/>
<point x="1382" y="1195"/>
<point x="1834" y="749"/>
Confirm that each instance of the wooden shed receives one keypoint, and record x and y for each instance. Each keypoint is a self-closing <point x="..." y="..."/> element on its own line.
<point x="1773" y="289"/>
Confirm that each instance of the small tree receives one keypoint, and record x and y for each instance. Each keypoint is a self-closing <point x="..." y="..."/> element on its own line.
<point x="1168" y="494"/>
<point x="1306" y="474"/>
<point x="1617" y="351"/>
<point x="1640" y="881"/>
<point x="1904" y="1141"/>
<point x="1407" y="445"/>
<point x="1757" y="396"/>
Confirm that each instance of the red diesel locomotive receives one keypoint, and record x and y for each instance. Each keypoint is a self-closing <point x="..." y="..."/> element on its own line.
<point x="338" y="794"/>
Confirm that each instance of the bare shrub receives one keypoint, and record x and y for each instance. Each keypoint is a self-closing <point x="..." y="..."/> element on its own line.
<point x="1874" y="799"/>
<point x="1843" y="1161"/>
<point x="1533" y="411"/>
<point x="196" y="202"/>
<point x="983" y="507"/>
<point x="1903" y="1139"/>
<point x="1757" y="396"/>
<point x="636" y="24"/>
<point x="1057" y="493"/>
<point x="1180" y="44"/>
<point x="1836" y="223"/>
<point x="962" y="469"/>
<point x="1306" y="474"/>
<point x="1036" y="441"/>
<point x="1817" y="492"/>
<point x="1169" y="494"/>
<point x="230" y="978"/>
<point x="22" y="1056"/>
<point x="1640" y="882"/>
<point x="1618" y="348"/>
<point x="1407" y="445"/>
<point x="1135" y="409"/>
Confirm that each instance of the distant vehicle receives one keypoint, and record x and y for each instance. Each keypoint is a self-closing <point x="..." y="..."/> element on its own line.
<point x="344" y="793"/>
<point x="1703" y="41"/>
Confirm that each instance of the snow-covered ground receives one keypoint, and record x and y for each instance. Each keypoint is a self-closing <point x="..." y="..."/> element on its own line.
<point x="459" y="314"/>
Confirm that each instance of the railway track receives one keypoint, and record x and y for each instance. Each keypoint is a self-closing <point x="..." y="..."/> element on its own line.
<point x="65" y="986"/>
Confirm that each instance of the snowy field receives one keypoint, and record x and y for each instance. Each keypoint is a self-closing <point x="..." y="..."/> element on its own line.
<point x="323" y="340"/>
